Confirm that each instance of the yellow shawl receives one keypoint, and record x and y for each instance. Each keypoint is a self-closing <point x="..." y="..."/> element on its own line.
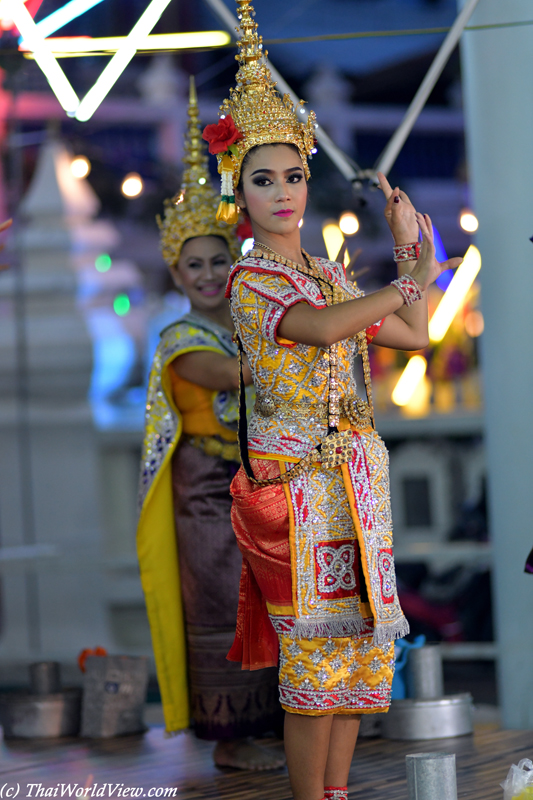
<point x="156" y="536"/>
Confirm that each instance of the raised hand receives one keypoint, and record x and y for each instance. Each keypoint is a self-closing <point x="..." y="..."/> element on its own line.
<point x="399" y="213"/>
<point x="427" y="269"/>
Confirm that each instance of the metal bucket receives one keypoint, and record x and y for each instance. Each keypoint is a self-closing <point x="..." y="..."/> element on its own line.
<point x="30" y="716"/>
<point x="431" y="776"/>
<point x="45" y="677"/>
<point x="429" y="719"/>
<point x="114" y="693"/>
<point x="425" y="679"/>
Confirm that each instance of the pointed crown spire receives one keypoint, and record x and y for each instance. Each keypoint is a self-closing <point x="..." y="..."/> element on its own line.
<point x="256" y="112"/>
<point x="191" y="212"/>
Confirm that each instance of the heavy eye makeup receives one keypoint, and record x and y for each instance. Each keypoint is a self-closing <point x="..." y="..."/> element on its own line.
<point x="263" y="179"/>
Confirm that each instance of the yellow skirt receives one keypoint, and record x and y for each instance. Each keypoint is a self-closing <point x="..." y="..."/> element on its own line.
<point x="344" y="675"/>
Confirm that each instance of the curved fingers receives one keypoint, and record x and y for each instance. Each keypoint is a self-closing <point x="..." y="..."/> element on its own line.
<point x="425" y="225"/>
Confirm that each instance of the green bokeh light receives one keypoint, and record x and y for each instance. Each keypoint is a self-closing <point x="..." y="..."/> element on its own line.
<point x="121" y="305"/>
<point x="103" y="262"/>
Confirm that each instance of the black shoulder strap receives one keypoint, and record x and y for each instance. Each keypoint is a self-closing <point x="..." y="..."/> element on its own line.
<point x="243" y="419"/>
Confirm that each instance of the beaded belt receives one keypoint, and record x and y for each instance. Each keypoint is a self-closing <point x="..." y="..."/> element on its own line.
<point x="355" y="409"/>
<point x="228" y="451"/>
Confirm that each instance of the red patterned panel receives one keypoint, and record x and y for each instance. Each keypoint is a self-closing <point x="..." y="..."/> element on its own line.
<point x="337" y="569"/>
<point x="387" y="575"/>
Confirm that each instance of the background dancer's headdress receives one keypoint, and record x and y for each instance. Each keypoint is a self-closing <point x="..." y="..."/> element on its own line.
<point x="254" y="114"/>
<point x="192" y="211"/>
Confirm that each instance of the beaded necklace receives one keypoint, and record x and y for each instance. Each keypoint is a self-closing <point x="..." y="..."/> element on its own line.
<point x="333" y="294"/>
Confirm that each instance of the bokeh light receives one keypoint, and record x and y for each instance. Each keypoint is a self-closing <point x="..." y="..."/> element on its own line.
<point x="246" y="246"/>
<point x="121" y="305"/>
<point x="132" y="185"/>
<point x="348" y="223"/>
<point x="80" y="166"/>
<point x="409" y="380"/>
<point x="103" y="262"/>
<point x="468" y="221"/>
<point x="474" y="323"/>
<point x="455" y="295"/>
<point x="333" y="239"/>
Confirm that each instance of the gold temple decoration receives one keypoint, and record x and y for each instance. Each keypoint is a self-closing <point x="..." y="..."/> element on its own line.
<point x="191" y="212"/>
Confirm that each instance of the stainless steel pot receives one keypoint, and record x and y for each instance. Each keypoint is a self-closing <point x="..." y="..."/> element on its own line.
<point x="29" y="716"/>
<point x="429" y="719"/>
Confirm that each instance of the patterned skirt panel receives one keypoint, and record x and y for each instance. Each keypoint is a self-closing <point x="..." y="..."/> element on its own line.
<point x="318" y="675"/>
<point x="226" y="702"/>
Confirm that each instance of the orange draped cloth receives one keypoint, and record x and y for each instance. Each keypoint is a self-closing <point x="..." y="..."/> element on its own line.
<point x="260" y="520"/>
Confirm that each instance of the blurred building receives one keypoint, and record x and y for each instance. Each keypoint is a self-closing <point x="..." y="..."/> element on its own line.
<point x="118" y="293"/>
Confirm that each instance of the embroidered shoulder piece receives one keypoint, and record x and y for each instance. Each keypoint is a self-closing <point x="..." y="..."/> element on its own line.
<point x="333" y="270"/>
<point x="191" y="332"/>
<point x="304" y="287"/>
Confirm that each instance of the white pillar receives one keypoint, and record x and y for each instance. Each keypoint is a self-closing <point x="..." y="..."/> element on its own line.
<point x="498" y="87"/>
<point x="53" y="612"/>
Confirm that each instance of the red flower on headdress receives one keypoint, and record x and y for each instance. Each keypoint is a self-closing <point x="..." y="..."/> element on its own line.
<point x="222" y="135"/>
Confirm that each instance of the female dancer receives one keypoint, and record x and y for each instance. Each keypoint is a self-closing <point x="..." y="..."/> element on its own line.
<point x="189" y="561"/>
<point x="311" y="507"/>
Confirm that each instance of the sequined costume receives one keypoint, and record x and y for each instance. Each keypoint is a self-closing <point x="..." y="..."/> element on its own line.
<point x="189" y="560"/>
<point x="318" y="578"/>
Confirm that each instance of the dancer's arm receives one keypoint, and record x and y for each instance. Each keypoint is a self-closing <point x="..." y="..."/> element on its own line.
<point x="211" y="370"/>
<point x="323" y="327"/>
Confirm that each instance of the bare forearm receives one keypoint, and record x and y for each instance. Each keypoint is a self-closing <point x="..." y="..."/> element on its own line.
<point x="211" y="370"/>
<point x="325" y="326"/>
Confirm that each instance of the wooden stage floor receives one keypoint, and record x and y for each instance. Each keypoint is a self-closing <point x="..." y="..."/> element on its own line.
<point x="184" y="764"/>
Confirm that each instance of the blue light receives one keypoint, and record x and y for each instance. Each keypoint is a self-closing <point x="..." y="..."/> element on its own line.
<point x="443" y="281"/>
<point x="440" y="252"/>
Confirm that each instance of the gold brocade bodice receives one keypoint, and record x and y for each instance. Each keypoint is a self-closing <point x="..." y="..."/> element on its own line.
<point x="291" y="379"/>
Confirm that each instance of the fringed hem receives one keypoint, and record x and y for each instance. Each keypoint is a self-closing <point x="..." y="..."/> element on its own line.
<point x="383" y="634"/>
<point x="335" y="628"/>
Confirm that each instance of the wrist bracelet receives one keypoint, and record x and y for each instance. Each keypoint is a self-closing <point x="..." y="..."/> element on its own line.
<point x="409" y="289"/>
<point x="406" y="252"/>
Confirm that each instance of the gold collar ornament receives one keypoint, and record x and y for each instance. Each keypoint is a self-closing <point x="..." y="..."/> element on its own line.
<point x="191" y="212"/>
<point x="254" y="114"/>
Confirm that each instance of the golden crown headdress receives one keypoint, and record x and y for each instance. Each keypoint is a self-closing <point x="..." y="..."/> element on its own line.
<point x="254" y="114"/>
<point x="192" y="211"/>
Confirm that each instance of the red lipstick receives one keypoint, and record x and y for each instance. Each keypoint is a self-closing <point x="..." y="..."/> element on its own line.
<point x="285" y="212"/>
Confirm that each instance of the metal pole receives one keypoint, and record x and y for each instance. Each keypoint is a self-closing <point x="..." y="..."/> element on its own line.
<point x="392" y="150"/>
<point x="348" y="169"/>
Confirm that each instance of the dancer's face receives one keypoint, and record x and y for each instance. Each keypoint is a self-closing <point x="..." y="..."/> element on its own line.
<point x="202" y="272"/>
<point x="273" y="189"/>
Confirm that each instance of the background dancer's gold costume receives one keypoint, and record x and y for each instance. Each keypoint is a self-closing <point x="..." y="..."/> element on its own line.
<point x="188" y="557"/>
